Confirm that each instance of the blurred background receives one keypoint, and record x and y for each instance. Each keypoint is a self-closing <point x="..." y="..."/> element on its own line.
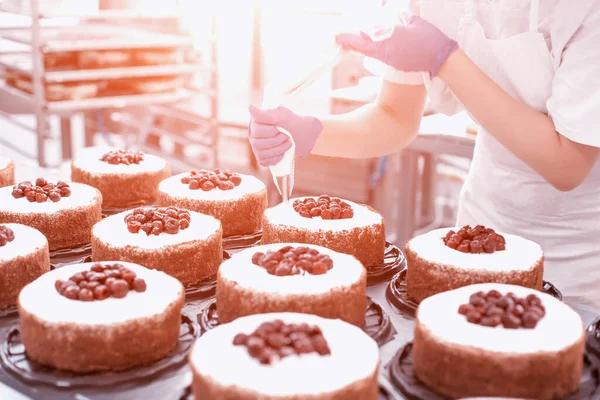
<point x="174" y="78"/>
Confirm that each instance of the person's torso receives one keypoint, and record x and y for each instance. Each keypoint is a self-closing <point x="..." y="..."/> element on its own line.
<point x="502" y="191"/>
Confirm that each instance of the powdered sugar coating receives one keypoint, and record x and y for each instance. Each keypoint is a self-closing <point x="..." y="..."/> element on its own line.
<point x="520" y="254"/>
<point x="81" y="195"/>
<point x="561" y="327"/>
<point x="346" y="271"/>
<point x="284" y="214"/>
<point x="354" y="357"/>
<point x="27" y="241"/>
<point x="41" y="298"/>
<point x="113" y="231"/>
<point x="173" y="187"/>
<point x="88" y="159"/>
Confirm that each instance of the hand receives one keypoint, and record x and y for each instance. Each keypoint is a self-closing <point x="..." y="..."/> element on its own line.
<point x="269" y="145"/>
<point x="417" y="46"/>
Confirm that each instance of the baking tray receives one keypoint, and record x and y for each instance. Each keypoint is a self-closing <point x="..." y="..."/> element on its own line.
<point x="397" y="296"/>
<point x="377" y="321"/>
<point x="98" y="37"/>
<point x="22" y="64"/>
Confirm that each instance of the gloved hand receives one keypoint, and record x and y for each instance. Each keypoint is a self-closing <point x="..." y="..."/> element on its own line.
<point x="417" y="46"/>
<point x="269" y="145"/>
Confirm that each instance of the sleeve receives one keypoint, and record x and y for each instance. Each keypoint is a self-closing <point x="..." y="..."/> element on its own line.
<point x="574" y="104"/>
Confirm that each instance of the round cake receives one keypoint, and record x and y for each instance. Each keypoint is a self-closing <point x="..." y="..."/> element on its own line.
<point x="498" y="340"/>
<point x="238" y="201"/>
<point x="23" y="257"/>
<point x="63" y="212"/>
<point x="184" y="244"/>
<point x="339" y="225"/>
<point x="284" y="356"/>
<point x="292" y="278"/>
<point x="7" y="172"/>
<point x="109" y="316"/>
<point x="449" y="258"/>
<point x="125" y="178"/>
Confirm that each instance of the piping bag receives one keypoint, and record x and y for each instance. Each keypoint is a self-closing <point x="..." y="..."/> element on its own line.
<point x="275" y="93"/>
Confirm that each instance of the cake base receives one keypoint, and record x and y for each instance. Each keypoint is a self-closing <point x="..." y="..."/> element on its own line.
<point x="122" y="190"/>
<point x="367" y="244"/>
<point x="461" y="371"/>
<point x="346" y="303"/>
<point x="7" y="175"/>
<point x="20" y="271"/>
<point x="402" y="376"/>
<point x="424" y="279"/>
<point x="189" y="262"/>
<point x="206" y="388"/>
<point x="74" y="348"/>
<point x="238" y="217"/>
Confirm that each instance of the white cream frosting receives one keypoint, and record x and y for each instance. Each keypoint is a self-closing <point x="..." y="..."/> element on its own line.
<point x="354" y="356"/>
<point x="113" y="231"/>
<point x="81" y="195"/>
<point x="284" y="214"/>
<point x="27" y="241"/>
<point x="88" y="159"/>
<point x="346" y="271"/>
<point x="41" y="299"/>
<point x="173" y="187"/>
<point x="520" y="254"/>
<point x="559" y="328"/>
<point x="4" y="162"/>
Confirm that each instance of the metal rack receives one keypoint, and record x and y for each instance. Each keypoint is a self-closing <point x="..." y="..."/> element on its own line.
<point x="42" y="39"/>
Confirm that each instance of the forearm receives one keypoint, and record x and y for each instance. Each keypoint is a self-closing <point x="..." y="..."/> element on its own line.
<point x="372" y="130"/>
<point x="527" y="133"/>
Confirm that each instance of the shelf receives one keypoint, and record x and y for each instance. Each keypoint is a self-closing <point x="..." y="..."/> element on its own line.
<point x="98" y="37"/>
<point x="23" y="65"/>
<point x="70" y="106"/>
<point x="102" y="14"/>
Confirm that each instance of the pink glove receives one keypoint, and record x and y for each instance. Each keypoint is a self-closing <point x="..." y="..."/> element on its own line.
<point x="269" y="145"/>
<point x="415" y="47"/>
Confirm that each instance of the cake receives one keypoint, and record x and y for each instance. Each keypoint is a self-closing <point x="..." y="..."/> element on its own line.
<point x="158" y="56"/>
<point x="498" y="340"/>
<point x="449" y="258"/>
<point x="115" y="58"/>
<point x="184" y="244"/>
<point x="7" y="172"/>
<point x="24" y="256"/>
<point x="339" y="225"/>
<point x="92" y="317"/>
<point x="238" y="201"/>
<point x="292" y="278"/>
<point x="284" y="356"/>
<point x="125" y="178"/>
<point x="63" y="212"/>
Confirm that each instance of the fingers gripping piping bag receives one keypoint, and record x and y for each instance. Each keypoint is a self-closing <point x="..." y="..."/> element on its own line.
<point x="286" y="86"/>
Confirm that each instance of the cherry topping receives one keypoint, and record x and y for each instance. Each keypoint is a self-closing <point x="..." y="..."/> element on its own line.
<point x="126" y="157"/>
<point x="475" y="240"/>
<point x="6" y="235"/>
<point x="156" y="220"/>
<point x="210" y="180"/>
<point x="42" y="191"/>
<point x="324" y="206"/>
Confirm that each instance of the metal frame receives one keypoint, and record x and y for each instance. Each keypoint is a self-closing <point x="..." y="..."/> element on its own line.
<point x="42" y="109"/>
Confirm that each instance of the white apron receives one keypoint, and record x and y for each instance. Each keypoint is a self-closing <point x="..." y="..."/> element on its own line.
<point x="501" y="191"/>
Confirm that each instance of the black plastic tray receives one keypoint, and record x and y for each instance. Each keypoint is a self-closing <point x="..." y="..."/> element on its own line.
<point x="398" y="298"/>
<point x="377" y="321"/>
<point x="14" y="360"/>
<point x="402" y="374"/>
<point x="393" y="262"/>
